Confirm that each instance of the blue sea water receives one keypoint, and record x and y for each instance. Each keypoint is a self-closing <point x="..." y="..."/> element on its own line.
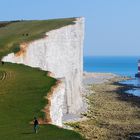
<point x="126" y="66"/>
<point x="121" y="65"/>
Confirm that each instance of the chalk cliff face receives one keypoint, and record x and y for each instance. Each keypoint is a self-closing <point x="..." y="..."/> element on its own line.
<point x="56" y="112"/>
<point x="60" y="52"/>
<point x="54" y="109"/>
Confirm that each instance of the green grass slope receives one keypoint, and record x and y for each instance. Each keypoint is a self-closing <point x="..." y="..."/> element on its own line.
<point x="14" y="33"/>
<point x="21" y="98"/>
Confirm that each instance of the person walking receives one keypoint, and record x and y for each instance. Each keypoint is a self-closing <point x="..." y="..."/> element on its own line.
<point x="36" y="124"/>
<point x="2" y="62"/>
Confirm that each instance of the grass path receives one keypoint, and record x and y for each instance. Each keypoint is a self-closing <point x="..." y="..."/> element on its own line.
<point x="21" y="98"/>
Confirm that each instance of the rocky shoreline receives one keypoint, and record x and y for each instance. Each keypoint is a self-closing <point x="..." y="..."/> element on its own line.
<point x="112" y="114"/>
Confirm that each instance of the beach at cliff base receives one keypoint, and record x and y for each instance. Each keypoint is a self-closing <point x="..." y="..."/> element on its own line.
<point x="111" y="113"/>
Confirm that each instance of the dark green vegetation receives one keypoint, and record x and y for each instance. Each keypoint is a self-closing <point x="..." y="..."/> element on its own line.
<point x="21" y="98"/>
<point x="14" y="33"/>
<point x="5" y="23"/>
<point x="113" y="115"/>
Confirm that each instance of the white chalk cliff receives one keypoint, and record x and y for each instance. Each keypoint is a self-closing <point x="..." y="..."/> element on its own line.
<point x="60" y="52"/>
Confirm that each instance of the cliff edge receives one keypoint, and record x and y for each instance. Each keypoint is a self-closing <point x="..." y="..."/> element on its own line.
<point x="60" y="52"/>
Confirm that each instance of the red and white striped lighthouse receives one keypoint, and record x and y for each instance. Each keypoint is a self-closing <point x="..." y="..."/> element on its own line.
<point x="138" y="74"/>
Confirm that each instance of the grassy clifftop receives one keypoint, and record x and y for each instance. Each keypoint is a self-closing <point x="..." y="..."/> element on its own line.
<point x="14" y="33"/>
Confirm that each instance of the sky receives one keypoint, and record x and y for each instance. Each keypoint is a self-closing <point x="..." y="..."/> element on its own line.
<point x="112" y="27"/>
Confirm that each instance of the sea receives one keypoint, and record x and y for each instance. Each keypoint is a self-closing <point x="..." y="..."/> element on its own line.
<point x="120" y="65"/>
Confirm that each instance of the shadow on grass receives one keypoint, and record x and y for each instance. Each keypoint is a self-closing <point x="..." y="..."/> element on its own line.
<point x="27" y="133"/>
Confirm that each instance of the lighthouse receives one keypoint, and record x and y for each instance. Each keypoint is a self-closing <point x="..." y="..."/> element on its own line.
<point x="138" y="74"/>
